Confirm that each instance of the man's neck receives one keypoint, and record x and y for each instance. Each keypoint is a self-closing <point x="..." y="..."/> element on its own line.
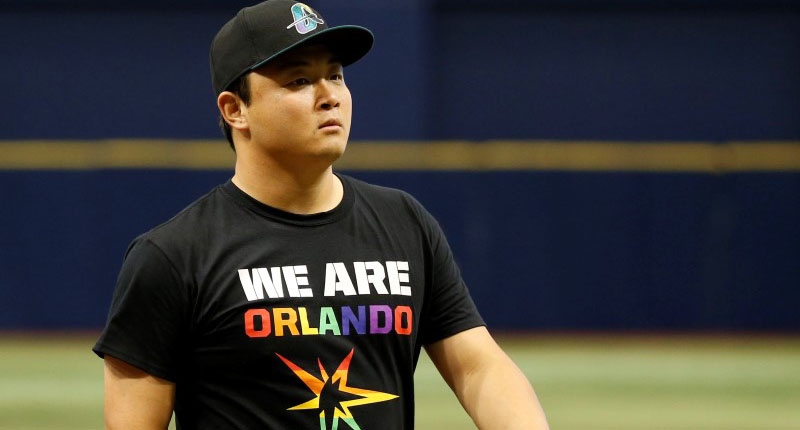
<point x="302" y="191"/>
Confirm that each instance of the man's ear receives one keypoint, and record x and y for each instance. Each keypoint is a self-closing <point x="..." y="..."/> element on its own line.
<point x="233" y="110"/>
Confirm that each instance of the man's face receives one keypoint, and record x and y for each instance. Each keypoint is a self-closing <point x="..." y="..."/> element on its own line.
<point x="300" y="108"/>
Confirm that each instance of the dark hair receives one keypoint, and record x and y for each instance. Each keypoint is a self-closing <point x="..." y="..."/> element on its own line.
<point x="241" y="88"/>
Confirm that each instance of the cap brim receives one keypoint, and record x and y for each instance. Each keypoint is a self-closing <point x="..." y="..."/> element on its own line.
<point x="349" y="43"/>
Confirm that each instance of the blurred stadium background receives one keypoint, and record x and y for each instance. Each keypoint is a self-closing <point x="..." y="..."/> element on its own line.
<point x="619" y="179"/>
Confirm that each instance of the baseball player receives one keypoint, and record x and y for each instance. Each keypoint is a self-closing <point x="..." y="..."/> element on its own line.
<point x="291" y="296"/>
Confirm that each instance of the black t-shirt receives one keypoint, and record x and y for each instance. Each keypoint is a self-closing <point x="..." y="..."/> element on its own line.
<point x="270" y="320"/>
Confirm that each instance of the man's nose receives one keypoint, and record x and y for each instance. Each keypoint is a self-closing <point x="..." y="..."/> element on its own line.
<point x="326" y="96"/>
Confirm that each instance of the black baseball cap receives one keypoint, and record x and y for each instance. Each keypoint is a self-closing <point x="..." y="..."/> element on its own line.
<point x="258" y="34"/>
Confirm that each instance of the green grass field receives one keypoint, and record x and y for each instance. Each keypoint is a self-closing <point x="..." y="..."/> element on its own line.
<point x="608" y="382"/>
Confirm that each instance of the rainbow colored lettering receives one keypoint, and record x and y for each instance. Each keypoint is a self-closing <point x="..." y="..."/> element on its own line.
<point x="373" y="319"/>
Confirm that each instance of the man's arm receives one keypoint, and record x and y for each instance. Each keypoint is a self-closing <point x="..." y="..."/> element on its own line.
<point x="135" y="399"/>
<point x="490" y="387"/>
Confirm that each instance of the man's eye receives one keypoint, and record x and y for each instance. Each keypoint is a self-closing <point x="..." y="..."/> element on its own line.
<point x="337" y="77"/>
<point x="299" y="82"/>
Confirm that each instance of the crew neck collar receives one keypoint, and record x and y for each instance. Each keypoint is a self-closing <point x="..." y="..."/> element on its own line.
<point x="276" y="214"/>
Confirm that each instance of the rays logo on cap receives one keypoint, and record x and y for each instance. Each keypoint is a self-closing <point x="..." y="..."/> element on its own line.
<point x="305" y="19"/>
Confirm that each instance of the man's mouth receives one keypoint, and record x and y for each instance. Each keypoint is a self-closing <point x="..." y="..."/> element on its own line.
<point x="331" y="123"/>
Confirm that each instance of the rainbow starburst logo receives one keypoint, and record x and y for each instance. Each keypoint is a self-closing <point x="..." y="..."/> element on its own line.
<point x="333" y="398"/>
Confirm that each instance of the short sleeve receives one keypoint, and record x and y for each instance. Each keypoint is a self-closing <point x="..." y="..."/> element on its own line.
<point x="147" y="321"/>
<point x="449" y="308"/>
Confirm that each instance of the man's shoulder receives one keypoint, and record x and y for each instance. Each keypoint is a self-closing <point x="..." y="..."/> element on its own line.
<point x="192" y="221"/>
<point x="382" y="192"/>
<point x="391" y="202"/>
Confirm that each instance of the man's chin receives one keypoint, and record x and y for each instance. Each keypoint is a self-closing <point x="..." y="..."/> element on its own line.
<point x="327" y="154"/>
<point x="332" y="149"/>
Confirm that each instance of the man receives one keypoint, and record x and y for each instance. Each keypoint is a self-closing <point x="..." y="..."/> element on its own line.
<point x="292" y="297"/>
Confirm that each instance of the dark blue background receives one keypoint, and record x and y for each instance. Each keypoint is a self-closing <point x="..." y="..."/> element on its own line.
<point x="540" y="250"/>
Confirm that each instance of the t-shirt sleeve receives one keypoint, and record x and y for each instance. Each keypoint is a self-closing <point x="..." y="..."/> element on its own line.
<point x="146" y="324"/>
<point x="449" y="308"/>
